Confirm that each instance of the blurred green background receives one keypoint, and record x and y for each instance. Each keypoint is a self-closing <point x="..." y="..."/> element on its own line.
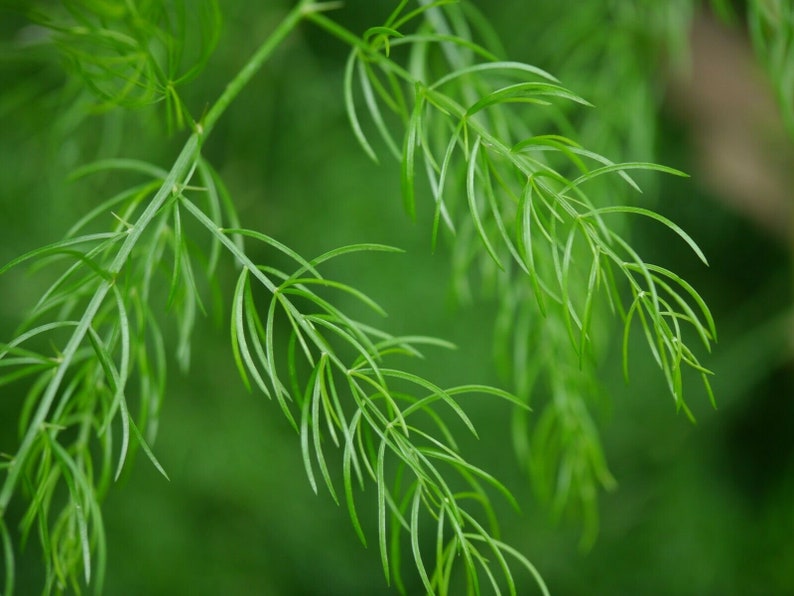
<point x="700" y="509"/>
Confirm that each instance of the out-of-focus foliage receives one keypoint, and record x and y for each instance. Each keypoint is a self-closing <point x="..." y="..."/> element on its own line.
<point x="132" y="54"/>
<point x="771" y="24"/>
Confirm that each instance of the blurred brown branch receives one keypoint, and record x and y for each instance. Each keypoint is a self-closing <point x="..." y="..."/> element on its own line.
<point x="743" y="153"/>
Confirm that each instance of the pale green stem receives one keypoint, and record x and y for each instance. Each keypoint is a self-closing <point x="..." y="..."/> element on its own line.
<point x="238" y="83"/>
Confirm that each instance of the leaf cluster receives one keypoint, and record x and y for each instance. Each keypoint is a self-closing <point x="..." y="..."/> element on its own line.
<point x="771" y="24"/>
<point x="384" y="419"/>
<point x="76" y="424"/>
<point x="525" y="205"/>
<point x="511" y="190"/>
<point x="134" y="54"/>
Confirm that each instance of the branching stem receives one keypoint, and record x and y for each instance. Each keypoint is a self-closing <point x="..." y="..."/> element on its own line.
<point x="274" y="40"/>
<point x="177" y="177"/>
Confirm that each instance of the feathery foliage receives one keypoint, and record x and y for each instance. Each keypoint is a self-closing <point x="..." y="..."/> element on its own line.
<point x="520" y="200"/>
<point x="771" y="24"/>
<point x="133" y="54"/>
<point x="513" y="189"/>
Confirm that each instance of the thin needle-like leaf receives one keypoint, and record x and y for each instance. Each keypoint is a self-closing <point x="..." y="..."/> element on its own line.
<point x="661" y="219"/>
<point x="471" y="194"/>
<point x="408" y="161"/>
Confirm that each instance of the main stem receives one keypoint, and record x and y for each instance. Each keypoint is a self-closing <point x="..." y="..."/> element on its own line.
<point x="177" y="176"/>
<point x="256" y="61"/>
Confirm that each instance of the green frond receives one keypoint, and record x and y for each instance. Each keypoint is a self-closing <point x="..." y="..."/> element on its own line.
<point x="536" y="215"/>
<point x="136" y="54"/>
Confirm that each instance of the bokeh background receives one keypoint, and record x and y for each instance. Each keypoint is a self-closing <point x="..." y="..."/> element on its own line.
<point x="699" y="509"/>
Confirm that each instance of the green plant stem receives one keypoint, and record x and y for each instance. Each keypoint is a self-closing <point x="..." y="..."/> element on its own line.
<point x="274" y="40"/>
<point x="178" y="171"/>
<point x="177" y="176"/>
